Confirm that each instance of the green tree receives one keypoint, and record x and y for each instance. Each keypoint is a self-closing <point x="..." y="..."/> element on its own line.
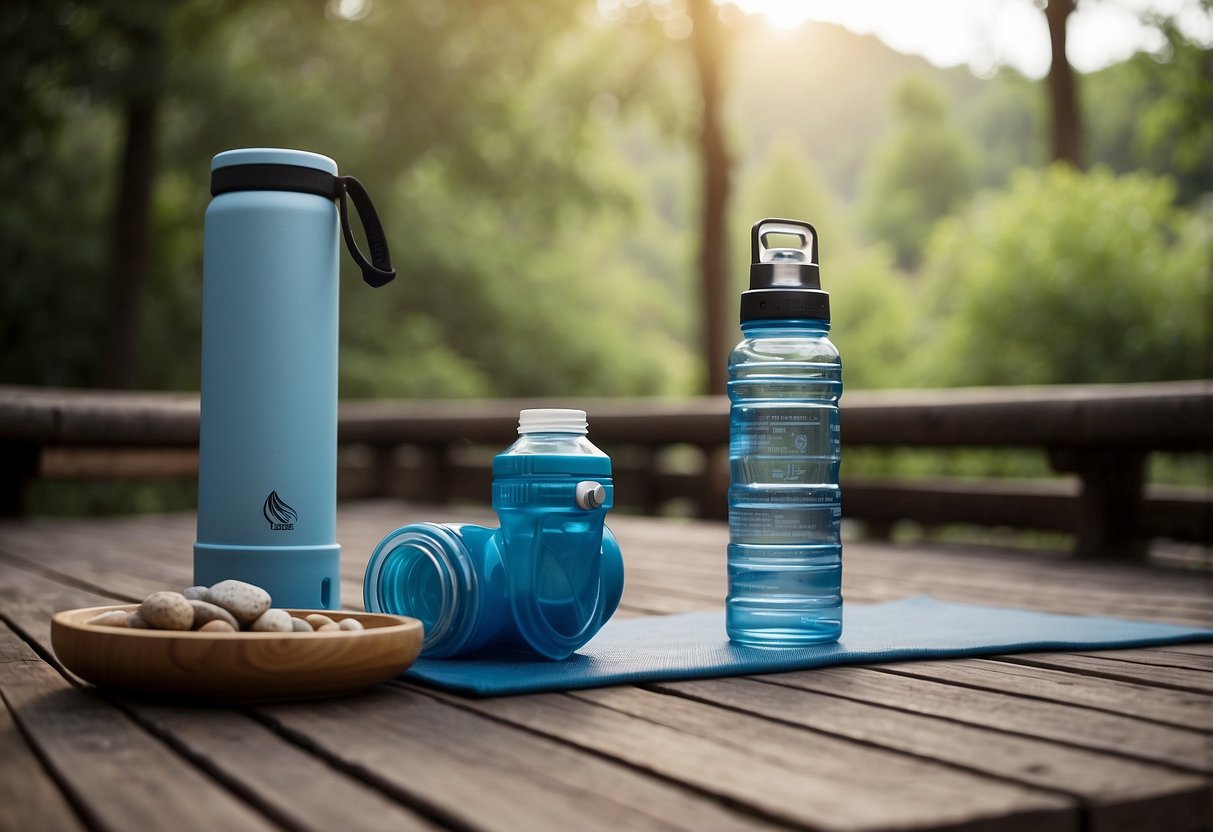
<point x="873" y="311"/>
<point x="1069" y="277"/>
<point x="924" y="170"/>
<point x="480" y="130"/>
<point x="1152" y="112"/>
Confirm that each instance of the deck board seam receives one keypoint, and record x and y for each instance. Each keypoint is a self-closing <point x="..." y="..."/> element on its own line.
<point x="76" y="801"/>
<point x="1110" y="674"/>
<point x="739" y="806"/>
<point x="892" y="670"/>
<point x="1141" y="662"/>
<point x="1169" y="766"/>
<point x="413" y="802"/>
<point x="1082" y="804"/>
<point x="79" y="807"/>
<point x="27" y="565"/>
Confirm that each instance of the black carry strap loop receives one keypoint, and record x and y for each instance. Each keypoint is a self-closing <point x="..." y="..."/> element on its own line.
<point x="378" y="270"/>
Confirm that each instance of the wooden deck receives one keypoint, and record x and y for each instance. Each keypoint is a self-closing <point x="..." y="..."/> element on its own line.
<point x="1119" y="740"/>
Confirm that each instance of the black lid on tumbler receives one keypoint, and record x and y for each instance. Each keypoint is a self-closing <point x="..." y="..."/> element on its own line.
<point x="785" y="283"/>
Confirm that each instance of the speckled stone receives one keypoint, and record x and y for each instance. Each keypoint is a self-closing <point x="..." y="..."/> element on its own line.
<point x="113" y="618"/>
<point x="317" y="620"/>
<point x="195" y="593"/>
<point x="243" y="600"/>
<point x="273" y="621"/>
<point x="350" y="624"/>
<point x="298" y="625"/>
<point x="167" y="611"/>
<point x="136" y="622"/>
<point x="217" y="625"/>
<point x="204" y="613"/>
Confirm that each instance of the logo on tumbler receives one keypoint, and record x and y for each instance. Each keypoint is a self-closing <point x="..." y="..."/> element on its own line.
<point x="278" y="514"/>
<point x="802" y="442"/>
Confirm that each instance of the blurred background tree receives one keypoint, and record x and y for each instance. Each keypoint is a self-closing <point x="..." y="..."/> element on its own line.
<point x="1069" y="277"/>
<point x="568" y="188"/>
<point x="921" y="171"/>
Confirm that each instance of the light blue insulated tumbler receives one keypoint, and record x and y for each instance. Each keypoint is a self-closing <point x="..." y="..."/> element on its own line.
<point x="267" y="477"/>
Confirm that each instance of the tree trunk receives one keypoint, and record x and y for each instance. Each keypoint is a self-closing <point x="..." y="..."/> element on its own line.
<point x="131" y="245"/>
<point x="708" y="48"/>
<point x="1063" y="97"/>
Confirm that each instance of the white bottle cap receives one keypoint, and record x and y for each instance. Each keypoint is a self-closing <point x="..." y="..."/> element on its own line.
<point x="552" y="420"/>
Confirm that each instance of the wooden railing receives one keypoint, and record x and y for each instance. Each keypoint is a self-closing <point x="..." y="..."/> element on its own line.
<point x="1100" y="436"/>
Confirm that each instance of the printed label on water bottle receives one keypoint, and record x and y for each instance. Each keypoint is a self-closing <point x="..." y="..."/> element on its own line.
<point x="783" y="431"/>
<point x="761" y="524"/>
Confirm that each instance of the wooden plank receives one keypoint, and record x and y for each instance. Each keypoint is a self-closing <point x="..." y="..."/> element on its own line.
<point x="99" y="417"/>
<point x="29" y="797"/>
<point x="119" y="776"/>
<point x="1117" y="794"/>
<point x="1067" y="724"/>
<point x="1168" y="707"/>
<point x="1158" y="657"/>
<point x="239" y="752"/>
<point x="471" y="772"/>
<point x="1187" y="649"/>
<point x="792" y="776"/>
<point x="297" y="788"/>
<point x="385" y="740"/>
<point x="118" y="463"/>
<point x="1109" y="416"/>
<point x="1111" y="667"/>
<point x="1178" y="514"/>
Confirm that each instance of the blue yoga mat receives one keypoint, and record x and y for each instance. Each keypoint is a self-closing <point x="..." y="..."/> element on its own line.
<point x="694" y="646"/>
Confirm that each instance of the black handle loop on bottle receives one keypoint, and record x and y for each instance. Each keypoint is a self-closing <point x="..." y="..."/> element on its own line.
<point x="785" y="282"/>
<point x="378" y="270"/>
<point x="806" y="233"/>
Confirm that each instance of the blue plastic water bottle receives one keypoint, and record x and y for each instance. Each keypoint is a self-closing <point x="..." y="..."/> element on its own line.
<point x="267" y="473"/>
<point x="543" y="583"/>
<point x="785" y="380"/>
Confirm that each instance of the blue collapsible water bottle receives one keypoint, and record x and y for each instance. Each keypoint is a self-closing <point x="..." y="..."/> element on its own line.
<point x="785" y="380"/>
<point x="543" y="583"/>
<point x="267" y="466"/>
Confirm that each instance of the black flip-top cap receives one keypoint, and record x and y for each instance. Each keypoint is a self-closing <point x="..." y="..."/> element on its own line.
<point x="785" y="282"/>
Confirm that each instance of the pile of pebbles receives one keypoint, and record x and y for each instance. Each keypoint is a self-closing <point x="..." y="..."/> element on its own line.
<point x="227" y="607"/>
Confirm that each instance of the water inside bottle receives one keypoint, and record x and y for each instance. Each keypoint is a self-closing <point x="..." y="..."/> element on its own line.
<point x="785" y="511"/>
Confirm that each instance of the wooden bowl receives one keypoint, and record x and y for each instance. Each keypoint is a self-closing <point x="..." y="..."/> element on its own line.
<point x="237" y="667"/>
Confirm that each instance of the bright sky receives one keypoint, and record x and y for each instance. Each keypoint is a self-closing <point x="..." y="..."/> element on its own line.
<point x="987" y="33"/>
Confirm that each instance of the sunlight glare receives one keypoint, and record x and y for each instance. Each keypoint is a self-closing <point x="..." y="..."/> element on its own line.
<point x="782" y="14"/>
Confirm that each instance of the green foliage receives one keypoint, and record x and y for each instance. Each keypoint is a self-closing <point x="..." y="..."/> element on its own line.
<point x="875" y="310"/>
<point x="534" y="168"/>
<point x="1069" y="277"/>
<point x="484" y="131"/>
<point x="1152" y="112"/>
<point x="872" y="307"/>
<point x="924" y="170"/>
<point x="1006" y="118"/>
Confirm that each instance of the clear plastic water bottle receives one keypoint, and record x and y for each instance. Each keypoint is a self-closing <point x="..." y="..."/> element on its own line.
<point x="785" y="380"/>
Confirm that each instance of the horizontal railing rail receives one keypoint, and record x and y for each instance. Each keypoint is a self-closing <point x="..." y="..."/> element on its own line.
<point x="666" y="450"/>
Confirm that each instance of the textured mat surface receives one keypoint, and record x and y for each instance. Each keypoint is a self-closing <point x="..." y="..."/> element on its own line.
<point x="694" y="646"/>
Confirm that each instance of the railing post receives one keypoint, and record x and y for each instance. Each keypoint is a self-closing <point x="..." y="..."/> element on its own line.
<point x="713" y="498"/>
<point x="1108" y="524"/>
<point x="435" y="476"/>
<point x="18" y="468"/>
